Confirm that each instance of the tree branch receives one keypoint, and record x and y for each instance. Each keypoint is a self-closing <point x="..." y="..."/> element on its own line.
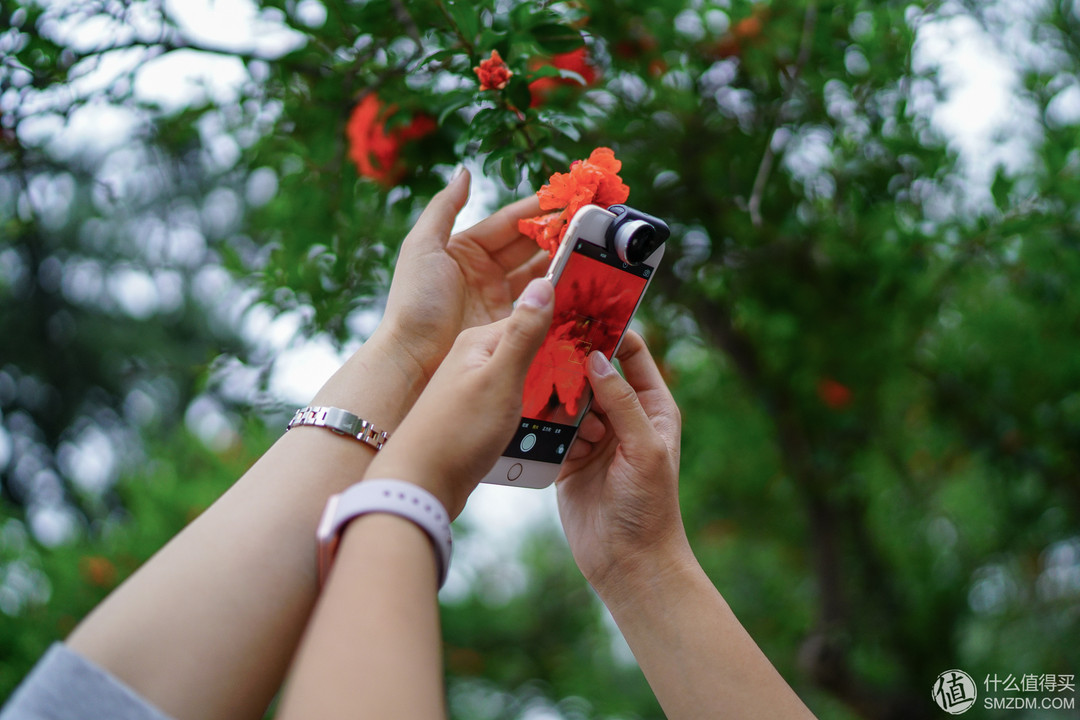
<point x="753" y="205"/>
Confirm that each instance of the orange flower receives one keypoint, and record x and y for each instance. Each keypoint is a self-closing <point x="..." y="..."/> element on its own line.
<point x="372" y="148"/>
<point x="545" y="230"/>
<point x="575" y="61"/>
<point x="493" y="72"/>
<point x="593" y="181"/>
<point x="748" y="27"/>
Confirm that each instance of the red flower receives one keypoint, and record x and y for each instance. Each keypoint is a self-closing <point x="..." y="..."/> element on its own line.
<point x="374" y="150"/>
<point x="546" y="230"/>
<point x="493" y="72"/>
<point x="593" y="303"/>
<point x="835" y="395"/>
<point x="592" y="181"/>
<point x="575" y="61"/>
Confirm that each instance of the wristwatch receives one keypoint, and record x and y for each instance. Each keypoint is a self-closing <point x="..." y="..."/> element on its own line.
<point x="396" y="497"/>
<point x="342" y="422"/>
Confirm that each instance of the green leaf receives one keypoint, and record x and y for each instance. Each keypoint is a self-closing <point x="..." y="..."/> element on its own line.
<point x="487" y="121"/>
<point x="1000" y="189"/>
<point x="441" y="55"/>
<point x="453" y="107"/>
<point x="510" y="170"/>
<point x="522" y="15"/>
<point x="467" y="19"/>
<point x="495" y="157"/>
<point x="545" y="71"/>
<point x="566" y="127"/>
<point x="555" y="39"/>
<point x="571" y="75"/>
<point x="518" y="92"/>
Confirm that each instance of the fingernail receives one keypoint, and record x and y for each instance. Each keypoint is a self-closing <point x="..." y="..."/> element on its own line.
<point x="538" y="293"/>
<point x="600" y="365"/>
<point x="459" y="170"/>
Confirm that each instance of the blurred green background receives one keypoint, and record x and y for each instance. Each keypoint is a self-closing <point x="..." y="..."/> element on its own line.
<point x="867" y="310"/>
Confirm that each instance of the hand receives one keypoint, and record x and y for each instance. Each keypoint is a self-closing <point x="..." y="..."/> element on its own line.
<point x="468" y="412"/>
<point x="619" y="487"/>
<point x="444" y="284"/>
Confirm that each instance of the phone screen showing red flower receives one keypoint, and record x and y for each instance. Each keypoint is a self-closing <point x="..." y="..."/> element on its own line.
<point x="595" y="297"/>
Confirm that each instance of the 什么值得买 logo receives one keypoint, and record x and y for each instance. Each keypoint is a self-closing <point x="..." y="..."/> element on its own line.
<point x="954" y="691"/>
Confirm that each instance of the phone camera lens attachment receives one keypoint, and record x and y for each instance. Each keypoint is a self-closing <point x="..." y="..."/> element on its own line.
<point x="631" y="239"/>
<point x="634" y="235"/>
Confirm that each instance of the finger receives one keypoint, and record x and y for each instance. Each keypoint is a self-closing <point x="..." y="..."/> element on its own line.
<point x="525" y="329"/>
<point x="433" y="228"/>
<point x="501" y="227"/>
<point x="592" y="428"/>
<point x="516" y="253"/>
<point x="579" y="449"/>
<point x="534" y="268"/>
<point x="644" y="376"/>
<point x="618" y="401"/>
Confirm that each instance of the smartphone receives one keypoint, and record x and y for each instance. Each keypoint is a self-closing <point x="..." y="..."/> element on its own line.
<point x="600" y="274"/>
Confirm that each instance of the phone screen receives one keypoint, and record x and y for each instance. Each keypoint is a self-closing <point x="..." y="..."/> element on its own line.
<point x="595" y="298"/>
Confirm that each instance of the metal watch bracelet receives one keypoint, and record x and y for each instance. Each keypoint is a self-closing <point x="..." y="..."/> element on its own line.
<point x="342" y="422"/>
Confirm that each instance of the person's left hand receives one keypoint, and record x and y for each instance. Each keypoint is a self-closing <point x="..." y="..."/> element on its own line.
<point x="469" y="410"/>
<point x="443" y="284"/>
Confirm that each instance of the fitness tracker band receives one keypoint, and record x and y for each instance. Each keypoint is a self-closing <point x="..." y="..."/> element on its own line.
<point x="385" y="496"/>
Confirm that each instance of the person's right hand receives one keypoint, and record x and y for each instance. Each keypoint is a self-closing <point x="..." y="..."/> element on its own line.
<point x="619" y="487"/>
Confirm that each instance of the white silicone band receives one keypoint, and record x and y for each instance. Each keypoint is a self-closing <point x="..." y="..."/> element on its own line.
<point x="385" y="496"/>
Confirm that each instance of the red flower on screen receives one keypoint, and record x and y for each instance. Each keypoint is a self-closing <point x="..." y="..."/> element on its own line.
<point x="375" y="150"/>
<point x="592" y="181"/>
<point x="574" y="61"/>
<point x="493" y="72"/>
<point x="592" y="305"/>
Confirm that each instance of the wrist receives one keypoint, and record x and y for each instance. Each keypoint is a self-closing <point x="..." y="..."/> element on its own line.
<point x="645" y="576"/>
<point x="416" y="473"/>
<point x="384" y="496"/>
<point x="379" y="382"/>
<point x="417" y="356"/>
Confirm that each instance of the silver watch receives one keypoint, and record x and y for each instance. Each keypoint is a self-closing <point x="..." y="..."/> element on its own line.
<point x="342" y="422"/>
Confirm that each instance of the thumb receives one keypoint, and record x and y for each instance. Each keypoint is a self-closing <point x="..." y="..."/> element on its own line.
<point x="434" y="225"/>
<point x="618" y="401"/>
<point x="526" y="327"/>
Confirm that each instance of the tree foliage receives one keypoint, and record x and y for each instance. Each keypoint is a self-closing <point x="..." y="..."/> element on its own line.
<point x="878" y="375"/>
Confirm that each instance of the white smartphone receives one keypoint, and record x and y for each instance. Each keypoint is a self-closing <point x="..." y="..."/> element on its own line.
<point x="600" y="274"/>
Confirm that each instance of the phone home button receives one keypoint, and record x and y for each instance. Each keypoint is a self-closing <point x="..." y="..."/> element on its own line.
<point x="514" y="472"/>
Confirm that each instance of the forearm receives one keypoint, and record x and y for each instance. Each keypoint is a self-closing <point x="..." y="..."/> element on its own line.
<point x="373" y="649"/>
<point x="207" y="627"/>
<point x="697" y="657"/>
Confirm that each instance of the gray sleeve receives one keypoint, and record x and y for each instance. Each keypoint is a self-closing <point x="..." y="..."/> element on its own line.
<point x="66" y="686"/>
